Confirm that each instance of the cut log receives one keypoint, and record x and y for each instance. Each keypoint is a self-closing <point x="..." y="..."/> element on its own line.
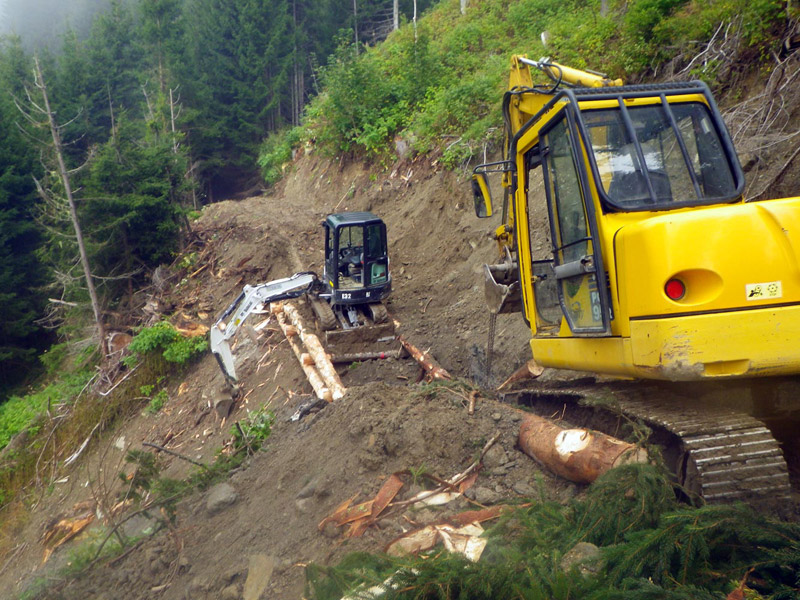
<point x="425" y="360"/>
<point x="530" y="370"/>
<point x="359" y="356"/>
<point x="579" y="455"/>
<point x="317" y="352"/>
<point x="320" y="389"/>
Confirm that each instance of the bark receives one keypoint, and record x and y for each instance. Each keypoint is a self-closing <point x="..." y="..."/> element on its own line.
<point x="314" y="378"/>
<point x="425" y="360"/>
<point x="317" y="353"/>
<point x="62" y="169"/>
<point x="579" y="455"/>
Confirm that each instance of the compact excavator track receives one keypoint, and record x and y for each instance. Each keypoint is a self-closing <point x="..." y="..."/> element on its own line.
<point x="716" y="450"/>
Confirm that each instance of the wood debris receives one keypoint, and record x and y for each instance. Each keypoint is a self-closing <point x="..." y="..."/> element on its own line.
<point x="432" y="369"/>
<point x="579" y="455"/>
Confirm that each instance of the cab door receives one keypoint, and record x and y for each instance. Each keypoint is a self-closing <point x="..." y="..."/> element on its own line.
<point x="578" y="265"/>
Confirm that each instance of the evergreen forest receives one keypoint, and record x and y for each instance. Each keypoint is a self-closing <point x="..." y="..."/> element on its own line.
<point x="161" y="106"/>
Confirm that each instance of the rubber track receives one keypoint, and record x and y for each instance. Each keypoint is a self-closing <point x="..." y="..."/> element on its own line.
<point x="734" y="454"/>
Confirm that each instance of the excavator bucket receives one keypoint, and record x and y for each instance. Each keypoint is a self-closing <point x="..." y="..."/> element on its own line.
<point x="501" y="289"/>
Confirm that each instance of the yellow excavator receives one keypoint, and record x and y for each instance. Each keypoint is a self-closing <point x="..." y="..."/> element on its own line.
<point x="654" y="267"/>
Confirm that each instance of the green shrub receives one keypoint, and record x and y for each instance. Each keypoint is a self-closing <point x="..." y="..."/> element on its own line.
<point x="276" y="151"/>
<point x="163" y="337"/>
<point x="157" y="402"/>
<point x="22" y="412"/>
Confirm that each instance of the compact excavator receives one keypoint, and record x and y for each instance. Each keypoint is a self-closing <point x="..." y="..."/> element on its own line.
<point x="347" y="300"/>
<point x="655" y="267"/>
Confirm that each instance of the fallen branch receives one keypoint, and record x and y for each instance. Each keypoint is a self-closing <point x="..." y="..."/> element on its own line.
<point x="425" y="360"/>
<point x="175" y="454"/>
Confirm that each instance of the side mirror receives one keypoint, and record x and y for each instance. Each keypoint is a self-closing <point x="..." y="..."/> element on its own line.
<point x="481" y="195"/>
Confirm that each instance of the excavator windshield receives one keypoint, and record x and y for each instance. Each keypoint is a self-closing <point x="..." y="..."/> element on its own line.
<point x="657" y="156"/>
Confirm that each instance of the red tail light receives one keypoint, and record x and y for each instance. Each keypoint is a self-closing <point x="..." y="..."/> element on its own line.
<point x="675" y="289"/>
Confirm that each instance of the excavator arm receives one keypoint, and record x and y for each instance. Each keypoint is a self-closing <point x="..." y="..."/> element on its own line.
<point x="246" y="304"/>
<point x="523" y="101"/>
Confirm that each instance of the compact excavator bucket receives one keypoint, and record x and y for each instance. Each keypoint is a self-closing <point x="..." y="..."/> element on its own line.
<point x="501" y="288"/>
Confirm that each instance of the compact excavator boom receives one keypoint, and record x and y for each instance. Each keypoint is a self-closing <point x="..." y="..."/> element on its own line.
<point x="655" y="266"/>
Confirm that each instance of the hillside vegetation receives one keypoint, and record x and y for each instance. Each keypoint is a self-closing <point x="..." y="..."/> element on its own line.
<point x="170" y="106"/>
<point x="438" y="85"/>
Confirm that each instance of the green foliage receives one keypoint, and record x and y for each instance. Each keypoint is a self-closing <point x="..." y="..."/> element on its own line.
<point x="651" y="548"/>
<point x="157" y="402"/>
<point x="22" y="412"/>
<point x="253" y="431"/>
<point x="276" y="151"/>
<point x="163" y="338"/>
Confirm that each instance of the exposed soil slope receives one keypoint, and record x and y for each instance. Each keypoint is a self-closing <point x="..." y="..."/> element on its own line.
<point x="257" y="546"/>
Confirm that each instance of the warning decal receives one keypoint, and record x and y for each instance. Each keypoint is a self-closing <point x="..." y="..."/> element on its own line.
<point x="763" y="291"/>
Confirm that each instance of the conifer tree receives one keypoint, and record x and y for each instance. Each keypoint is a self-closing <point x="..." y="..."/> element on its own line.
<point x="21" y="272"/>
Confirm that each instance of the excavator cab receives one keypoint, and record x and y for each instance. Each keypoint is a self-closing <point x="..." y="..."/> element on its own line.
<point x="356" y="259"/>
<point x="654" y="257"/>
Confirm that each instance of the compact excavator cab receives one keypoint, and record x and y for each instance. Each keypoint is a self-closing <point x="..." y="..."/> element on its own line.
<point x="356" y="259"/>
<point x="655" y="258"/>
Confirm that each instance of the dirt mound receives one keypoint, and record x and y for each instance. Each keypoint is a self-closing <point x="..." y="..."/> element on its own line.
<point x="311" y="467"/>
<point x="382" y="426"/>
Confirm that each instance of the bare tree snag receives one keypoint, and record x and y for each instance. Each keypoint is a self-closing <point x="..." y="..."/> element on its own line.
<point x="317" y="352"/>
<point x="425" y="360"/>
<point x="579" y="455"/>
<point x="62" y="169"/>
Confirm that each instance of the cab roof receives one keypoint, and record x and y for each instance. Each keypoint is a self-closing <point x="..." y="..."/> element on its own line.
<point x="351" y="218"/>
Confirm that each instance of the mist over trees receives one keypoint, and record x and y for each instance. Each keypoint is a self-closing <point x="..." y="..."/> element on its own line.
<point x="159" y="106"/>
<point x="41" y="23"/>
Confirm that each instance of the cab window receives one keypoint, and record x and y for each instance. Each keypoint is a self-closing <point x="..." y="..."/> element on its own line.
<point x="670" y="155"/>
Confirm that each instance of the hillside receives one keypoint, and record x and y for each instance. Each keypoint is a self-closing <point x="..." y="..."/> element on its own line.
<point x="385" y="424"/>
<point x="437" y="248"/>
<point x="258" y="543"/>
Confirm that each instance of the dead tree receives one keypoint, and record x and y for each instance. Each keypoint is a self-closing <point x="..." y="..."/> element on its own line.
<point x="50" y="123"/>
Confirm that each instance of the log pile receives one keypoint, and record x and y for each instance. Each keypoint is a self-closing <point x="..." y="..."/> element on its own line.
<point x="309" y="352"/>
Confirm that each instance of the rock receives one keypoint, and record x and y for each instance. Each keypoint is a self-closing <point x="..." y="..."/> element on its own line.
<point x="259" y="573"/>
<point x="230" y="592"/>
<point x="495" y="457"/>
<point x="585" y="556"/>
<point x="497" y="416"/>
<point x="483" y="495"/>
<point x="331" y="531"/>
<point x="220" y="497"/>
<point x="308" y="490"/>
<point x="523" y="489"/>
<point x="302" y="505"/>
<point x="184" y="566"/>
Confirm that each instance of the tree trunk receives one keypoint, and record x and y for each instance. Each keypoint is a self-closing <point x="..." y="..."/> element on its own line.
<point x="396" y="15"/>
<point x="355" y="23"/>
<point x="464" y="4"/>
<point x="579" y="455"/>
<point x="62" y="168"/>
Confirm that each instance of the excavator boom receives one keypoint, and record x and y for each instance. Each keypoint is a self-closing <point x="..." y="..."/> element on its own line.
<point x="248" y="302"/>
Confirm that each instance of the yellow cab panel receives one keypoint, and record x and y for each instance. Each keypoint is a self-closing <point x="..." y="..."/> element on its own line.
<point x="694" y="283"/>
